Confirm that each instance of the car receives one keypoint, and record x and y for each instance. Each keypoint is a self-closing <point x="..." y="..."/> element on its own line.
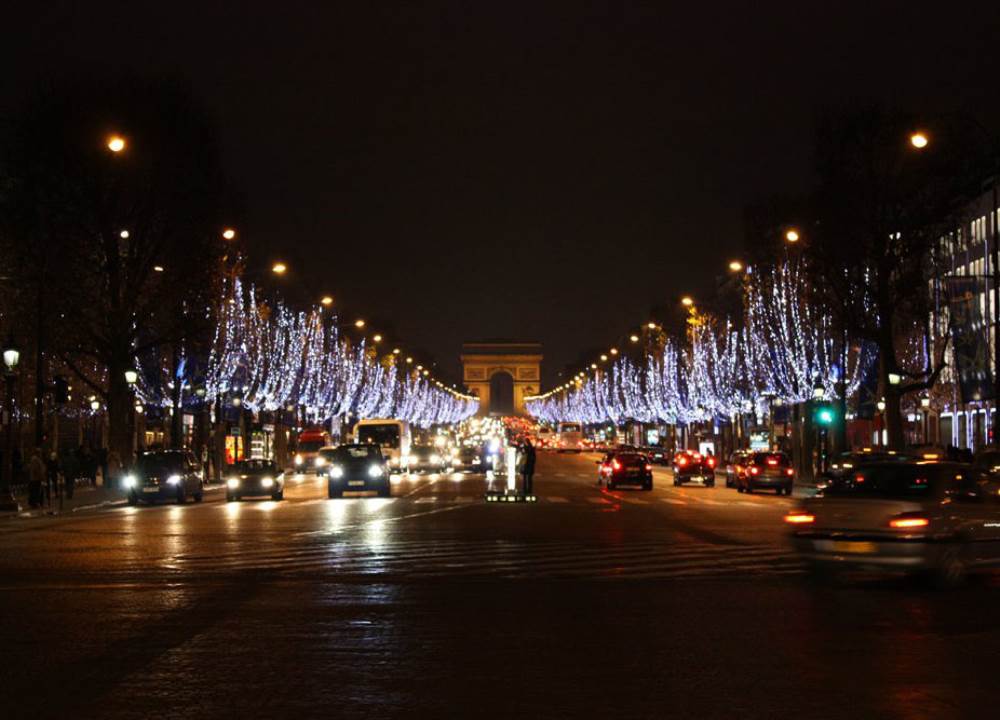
<point x="771" y="470"/>
<point x="468" y="459"/>
<point x="657" y="455"/>
<point x="427" y="458"/>
<point x="736" y="467"/>
<point x="251" y="478"/>
<point x="936" y="518"/>
<point x="625" y="468"/>
<point x="847" y="462"/>
<point x="172" y="475"/>
<point x="358" y="466"/>
<point x="691" y="466"/>
<point x="307" y="457"/>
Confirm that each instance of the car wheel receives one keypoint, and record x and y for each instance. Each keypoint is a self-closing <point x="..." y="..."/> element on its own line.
<point x="949" y="571"/>
<point x="710" y="484"/>
<point x="648" y="485"/>
<point x="748" y="489"/>
<point x="333" y="493"/>
<point x="230" y="497"/>
<point x="739" y="488"/>
<point x="133" y="499"/>
<point x="279" y="495"/>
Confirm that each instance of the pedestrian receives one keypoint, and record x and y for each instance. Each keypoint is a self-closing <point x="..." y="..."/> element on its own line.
<point x="36" y="476"/>
<point x="71" y="468"/>
<point x="113" y="477"/>
<point x="204" y="463"/>
<point x="528" y="467"/>
<point x="52" y="477"/>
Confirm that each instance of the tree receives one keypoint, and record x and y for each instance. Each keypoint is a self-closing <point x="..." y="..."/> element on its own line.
<point x="883" y="204"/>
<point x="132" y="232"/>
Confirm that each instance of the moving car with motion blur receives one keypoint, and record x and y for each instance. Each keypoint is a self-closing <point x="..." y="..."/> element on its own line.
<point x="170" y="475"/>
<point x="360" y="467"/>
<point x="625" y="468"/>
<point x="307" y="458"/>
<point x="846" y="463"/>
<point x="691" y="466"/>
<point x="770" y="470"/>
<point x="394" y="437"/>
<point x="468" y="459"/>
<point x="427" y="459"/>
<point x="942" y="519"/>
<point x="736" y="467"/>
<point x="255" y="478"/>
<point x="569" y="437"/>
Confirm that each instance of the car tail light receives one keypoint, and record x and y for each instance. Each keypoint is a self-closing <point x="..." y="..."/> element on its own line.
<point x="616" y="465"/>
<point x="772" y="461"/>
<point x="789" y="472"/>
<point x="755" y="471"/>
<point x="908" y="522"/>
<point x="697" y="456"/>
<point x="682" y="461"/>
<point x="800" y="517"/>
<point x="648" y="466"/>
<point x="711" y="462"/>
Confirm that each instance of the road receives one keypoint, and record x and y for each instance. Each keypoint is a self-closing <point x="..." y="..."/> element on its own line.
<point x="677" y="602"/>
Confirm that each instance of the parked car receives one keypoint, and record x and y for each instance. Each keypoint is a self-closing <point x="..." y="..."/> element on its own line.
<point x="941" y="518"/>
<point x="164" y="475"/>
<point x="254" y="478"/>
<point x="359" y="466"/>
<point x="427" y="458"/>
<point x="690" y="466"/>
<point x="736" y="467"/>
<point x="625" y="468"/>
<point x="771" y="470"/>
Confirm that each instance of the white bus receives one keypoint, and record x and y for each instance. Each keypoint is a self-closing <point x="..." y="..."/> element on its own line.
<point x="569" y="437"/>
<point x="393" y="436"/>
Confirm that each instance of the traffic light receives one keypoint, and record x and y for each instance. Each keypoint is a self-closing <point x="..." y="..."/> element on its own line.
<point x="824" y="414"/>
<point x="60" y="389"/>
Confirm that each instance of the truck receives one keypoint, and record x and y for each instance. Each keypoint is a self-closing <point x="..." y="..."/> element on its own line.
<point x="393" y="436"/>
<point x="307" y="458"/>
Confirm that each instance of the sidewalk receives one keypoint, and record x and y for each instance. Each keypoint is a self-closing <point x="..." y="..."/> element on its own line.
<point x="84" y="498"/>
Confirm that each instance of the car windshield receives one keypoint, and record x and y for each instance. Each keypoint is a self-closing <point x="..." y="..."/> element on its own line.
<point x="310" y="445"/>
<point x="162" y="462"/>
<point x="356" y="452"/>
<point x="902" y="481"/>
<point x="386" y="436"/>
<point x="255" y="466"/>
<point x="772" y="459"/>
<point x="630" y="458"/>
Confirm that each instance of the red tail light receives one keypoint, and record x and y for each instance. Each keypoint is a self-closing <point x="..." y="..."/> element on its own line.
<point x="908" y="522"/>
<point x="616" y="465"/>
<point x="790" y="473"/>
<point x="772" y="461"/>
<point x="755" y="471"/>
<point x="682" y="461"/>
<point x="800" y="517"/>
<point x="648" y="466"/>
<point x="697" y="456"/>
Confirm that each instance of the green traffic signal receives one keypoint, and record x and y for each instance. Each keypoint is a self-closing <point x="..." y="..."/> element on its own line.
<point x="825" y="416"/>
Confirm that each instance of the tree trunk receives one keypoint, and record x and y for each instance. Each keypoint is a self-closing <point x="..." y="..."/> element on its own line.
<point x="119" y="406"/>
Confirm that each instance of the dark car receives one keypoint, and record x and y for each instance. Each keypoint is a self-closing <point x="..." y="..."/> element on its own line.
<point x="427" y="458"/>
<point x="846" y="463"/>
<point x="690" y="466"/>
<point x="988" y="459"/>
<point x="166" y="475"/>
<point x="625" y="468"/>
<point x="255" y="478"/>
<point x="358" y="467"/>
<point x="468" y="459"/>
<point x="942" y="518"/>
<point x="736" y="467"/>
<point x="771" y="470"/>
<point x="657" y="455"/>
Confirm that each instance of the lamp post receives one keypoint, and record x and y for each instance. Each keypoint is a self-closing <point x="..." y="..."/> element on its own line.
<point x="11" y="358"/>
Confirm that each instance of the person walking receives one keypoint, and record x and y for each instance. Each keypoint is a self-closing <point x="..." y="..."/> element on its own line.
<point x="52" y="477"/>
<point x="528" y="467"/>
<point x="36" y="477"/>
<point x="71" y="468"/>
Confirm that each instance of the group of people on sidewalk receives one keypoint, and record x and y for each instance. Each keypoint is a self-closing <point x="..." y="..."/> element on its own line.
<point x="49" y="475"/>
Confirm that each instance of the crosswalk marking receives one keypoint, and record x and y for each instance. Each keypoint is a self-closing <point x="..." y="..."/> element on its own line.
<point x="673" y="501"/>
<point x="431" y="558"/>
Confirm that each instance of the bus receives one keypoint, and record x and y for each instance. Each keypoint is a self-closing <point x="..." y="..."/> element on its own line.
<point x="569" y="437"/>
<point x="393" y="436"/>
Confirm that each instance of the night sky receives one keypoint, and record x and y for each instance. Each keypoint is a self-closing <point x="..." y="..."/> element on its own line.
<point x="495" y="169"/>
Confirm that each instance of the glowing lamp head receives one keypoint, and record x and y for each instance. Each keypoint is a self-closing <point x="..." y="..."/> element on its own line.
<point x="919" y="140"/>
<point x="228" y="234"/>
<point x="279" y="268"/>
<point x="687" y="301"/>
<point x="327" y="301"/>
<point x="735" y="266"/>
<point x="116" y="143"/>
<point x="792" y="235"/>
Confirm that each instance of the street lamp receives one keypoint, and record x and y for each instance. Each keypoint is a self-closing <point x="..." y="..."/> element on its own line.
<point x="687" y="301"/>
<point x="326" y="301"/>
<point x="279" y="268"/>
<point x="116" y="143"/>
<point x="651" y="325"/>
<point x="131" y="376"/>
<point x="228" y="234"/>
<point x="919" y="140"/>
<point x="819" y="392"/>
<point x="925" y="401"/>
<point x="359" y="324"/>
<point x="95" y="404"/>
<point x="123" y="234"/>
<point x="880" y="404"/>
<point x="735" y="266"/>
<point x="613" y="351"/>
<point x="792" y="235"/>
<point x="604" y="358"/>
<point x="11" y="357"/>
<point x="634" y="338"/>
<point x="377" y="338"/>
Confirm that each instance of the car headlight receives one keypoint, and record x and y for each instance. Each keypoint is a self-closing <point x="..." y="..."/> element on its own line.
<point x="394" y="461"/>
<point x="336" y="472"/>
<point x="129" y="481"/>
<point x="375" y="470"/>
<point x="298" y="459"/>
<point x="174" y="480"/>
<point x="233" y="482"/>
<point x="435" y="459"/>
<point x="320" y="461"/>
<point x="267" y="482"/>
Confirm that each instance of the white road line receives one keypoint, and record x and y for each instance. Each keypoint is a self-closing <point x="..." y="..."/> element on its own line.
<point x="428" y="499"/>
<point x="672" y="501"/>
